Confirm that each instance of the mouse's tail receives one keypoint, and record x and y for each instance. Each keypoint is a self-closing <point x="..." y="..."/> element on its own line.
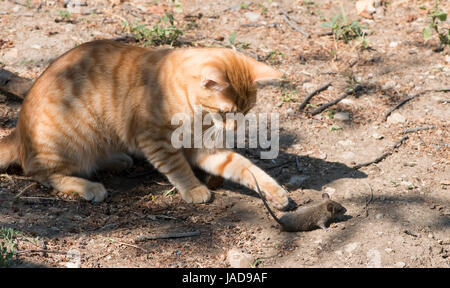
<point x="9" y="150"/>
<point x="264" y="199"/>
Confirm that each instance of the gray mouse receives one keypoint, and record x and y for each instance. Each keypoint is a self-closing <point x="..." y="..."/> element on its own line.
<point x="308" y="217"/>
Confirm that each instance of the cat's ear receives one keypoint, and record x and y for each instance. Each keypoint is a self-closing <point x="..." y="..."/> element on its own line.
<point x="214" y="78"/>
<point x="263" y="74"/>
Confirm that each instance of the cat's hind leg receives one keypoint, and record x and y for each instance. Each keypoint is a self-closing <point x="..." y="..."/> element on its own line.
<point x="116" y="162"/>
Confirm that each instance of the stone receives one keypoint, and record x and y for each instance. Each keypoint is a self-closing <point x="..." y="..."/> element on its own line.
<point x="400" y="264"/>
<point x="374" y="258"/>
<point x="346" y="143"/>
<point x="389" y="85"/>
<point x="351" y="247"/>
<point x="365" y="8"/>
<point x="394" y="44"/>
<point x="396" y="118"/>
<point x="377" y="136"/>
<point x="309" y="87"/>
<point x="237" y="259"/>
<point x="74" y="257"/>
<point x="342" y="116"/>
<point x="252" y="16"/>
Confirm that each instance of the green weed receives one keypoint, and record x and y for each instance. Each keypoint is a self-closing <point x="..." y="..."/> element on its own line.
<point x="163" y="32"/>
<point x="437" y="16"/>
<point x="343" y="29"/>
<point x="8" y="245"/>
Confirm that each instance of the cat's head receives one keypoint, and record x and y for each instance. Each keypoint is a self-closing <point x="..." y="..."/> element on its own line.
<point x="228" y="81"/>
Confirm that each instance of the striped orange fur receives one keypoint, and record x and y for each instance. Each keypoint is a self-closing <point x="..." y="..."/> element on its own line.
<point x="103" y="100"/>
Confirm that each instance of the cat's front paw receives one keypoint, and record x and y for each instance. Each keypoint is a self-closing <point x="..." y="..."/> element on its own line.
<point x="277" y="197"/>
<point x="199" y="194"/>
<point x="94" y="192"/>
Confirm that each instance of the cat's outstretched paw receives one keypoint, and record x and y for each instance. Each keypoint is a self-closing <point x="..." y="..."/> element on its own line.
<point x="277" y="197"/>
<point x="199" y="194"/>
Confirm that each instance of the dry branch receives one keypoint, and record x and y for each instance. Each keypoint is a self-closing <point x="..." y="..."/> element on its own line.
<point x="331" y="103"/>
<point x="384" y="155"/>
<point x="293" y="25"/>
<point x="167" y="236"/>
<point x="401" y="103"/>
<point x="312" y="94"/>
<point x="412" y="130"/>
<point x="41" y="251"/>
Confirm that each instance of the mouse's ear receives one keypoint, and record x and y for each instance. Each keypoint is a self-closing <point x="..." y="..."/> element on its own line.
<point x="325" y="196"/>
<point x="330" y="207"/>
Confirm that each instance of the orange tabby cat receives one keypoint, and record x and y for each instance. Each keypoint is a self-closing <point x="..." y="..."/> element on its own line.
<point x="103" y="99"/>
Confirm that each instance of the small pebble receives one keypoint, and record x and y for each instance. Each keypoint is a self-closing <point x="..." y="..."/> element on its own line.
<point x="400" y="264"/>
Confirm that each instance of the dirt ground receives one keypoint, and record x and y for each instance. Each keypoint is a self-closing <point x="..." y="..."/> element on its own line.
<point x="408" y="220"/>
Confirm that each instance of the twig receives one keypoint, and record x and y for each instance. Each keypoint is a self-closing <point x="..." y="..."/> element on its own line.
<point x="41" y="251"/>
<point x="130" y="245"/>
<point x="7" y="177"/>
<point x="411" y="130"/>
<point x="325" y="34"/>
<point x="155" y="217"/>
<point x="20" y="193"/>
<point x="24" y="189"/>
<point x="368" y="201"/>
<point x="312" y="94"/>
<point x="293" y="25"/>
<point x="167" y="236"/>
<point x="331" y="103"/>
<point x="384" y="155"/>
<point x="407" y="232"/>
<point x="10" y="177"/>
<point x="401" y="103"/>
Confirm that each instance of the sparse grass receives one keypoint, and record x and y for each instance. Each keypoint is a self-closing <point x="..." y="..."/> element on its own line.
<point x="169" y="192"/>
<point x="437" y="16"/>
<point x="289" y="96"/>
<point x="264" y="9"/>
<point x="258" y="263"/>
<point x="244" y="6"/>
<point x="232" y="38"/>
<point x="309" y="6"/>
<point x="275" y="57"/>
<point x="335" y="128"/>
<point x="330" y="113"/>
<point x="352" y="82"/>
<point x="64" y="14"/>
<point x="163" y="32"/>
<point x="233" y="42"/>
<point x="8" y="245"/>
<point x="345" y="30"/>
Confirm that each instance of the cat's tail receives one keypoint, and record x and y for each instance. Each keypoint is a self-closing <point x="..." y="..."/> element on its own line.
<point x="9" y="150"/>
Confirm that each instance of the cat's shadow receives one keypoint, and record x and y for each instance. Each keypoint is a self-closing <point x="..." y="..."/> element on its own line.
<point x="292" y="171"/>
<point x="310" y="173"/>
